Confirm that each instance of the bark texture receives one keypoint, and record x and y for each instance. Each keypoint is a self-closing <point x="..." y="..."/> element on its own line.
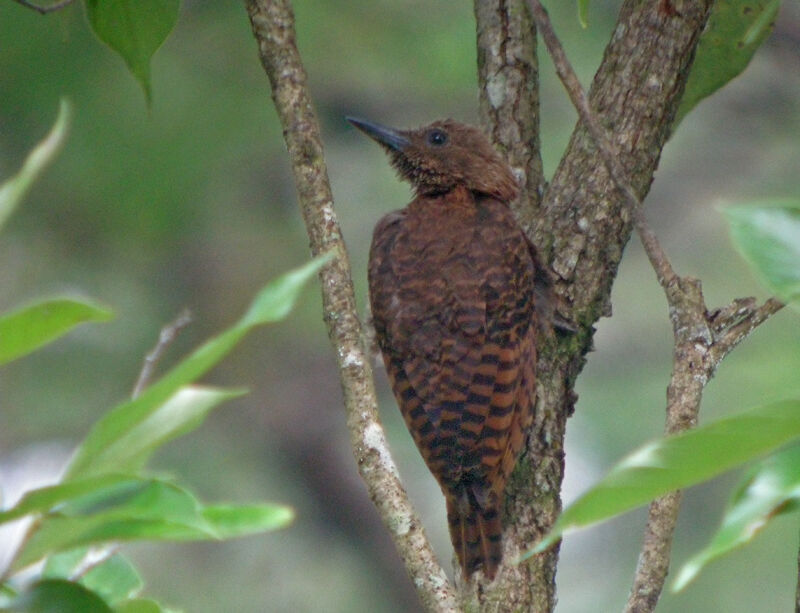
<point x="584" y="224"/>
<point x="508" y="70"/>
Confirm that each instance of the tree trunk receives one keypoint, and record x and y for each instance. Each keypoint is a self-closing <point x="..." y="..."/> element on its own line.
<point x="580" y="224"/>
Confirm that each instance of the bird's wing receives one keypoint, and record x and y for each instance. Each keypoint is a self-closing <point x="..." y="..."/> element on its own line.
<point x="503" y="384"/>
<point x="459" y="358"/>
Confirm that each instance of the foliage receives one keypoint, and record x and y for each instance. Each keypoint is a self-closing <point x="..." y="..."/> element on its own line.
<point x="680" y="461"/>
<point x="770" y="488"/>
<point x="106" y="497"/>
<point x="735" y="30"/>
<point x="583" y="12"/>
<point x="768" y="236"/>
<point x="13" y="190"/>
<point x="135" y="29"/>
<point x="37" y="324"/>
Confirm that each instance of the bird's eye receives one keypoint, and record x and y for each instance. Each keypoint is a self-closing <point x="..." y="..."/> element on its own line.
<point x="437" y="137"/>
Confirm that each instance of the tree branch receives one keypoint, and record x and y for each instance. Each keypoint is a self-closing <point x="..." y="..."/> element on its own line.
<point x="691" y="370"/>
<point x="580" y="228"/>
<point x="634" y="96"/>
<point x="508" y="76"/>
<point x="701" y="340"/>
<point x="735" y="322"/>
<point x="273" y="26"/>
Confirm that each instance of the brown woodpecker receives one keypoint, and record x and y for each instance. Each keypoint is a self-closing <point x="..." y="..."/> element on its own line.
<point x="451" y="285"/>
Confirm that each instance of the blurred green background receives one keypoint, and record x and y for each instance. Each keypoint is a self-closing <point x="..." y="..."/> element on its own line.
<point x="191" y="203"/>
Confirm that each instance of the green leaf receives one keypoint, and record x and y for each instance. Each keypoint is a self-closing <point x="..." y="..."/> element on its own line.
<point x="138" y="605"/>
<point x="63" y="533"/>
<point x="28" y="328"/>
<point x="583" y="13"/>
<point x="768" y="237"/>
<point x="676" y="462"/>
<point x="274" y="302"/>
<point x="13" y="190"/>
<point x="137" y="499"/>
<point x="771" y="487"/>
<point x="277" y="299"/>
<point x="115" y="580"/>
<point x="63" y="565"/>
<point x="179" y="415"/>
<point x="735" y="29"/>
<point x="230" y="521"/>
<point x="59" y="596"/>
<point x="46" y="498"/>
<point x="139" y="509"/>
<point x="128" y="509"/>
<point x="135" y="29"/>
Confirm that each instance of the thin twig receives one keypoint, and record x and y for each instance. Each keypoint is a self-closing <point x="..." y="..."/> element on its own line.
<point x="734" y="334"/>
<point x="273" y="27"/>
<point x="607" y="151"/>
<point x="167" y="336"/>
<point x="691" y="369"/>
<point x="98" y="555"/>
<point x="43" y="10"/>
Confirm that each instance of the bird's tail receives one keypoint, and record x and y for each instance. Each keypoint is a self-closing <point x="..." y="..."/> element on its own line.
<point x="477" y="535"/>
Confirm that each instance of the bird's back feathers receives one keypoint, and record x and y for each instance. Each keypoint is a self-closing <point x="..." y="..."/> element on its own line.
<point x="452" y="295"/>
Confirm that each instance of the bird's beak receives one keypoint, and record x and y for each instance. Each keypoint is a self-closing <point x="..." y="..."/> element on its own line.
<point x="386" y="136"/>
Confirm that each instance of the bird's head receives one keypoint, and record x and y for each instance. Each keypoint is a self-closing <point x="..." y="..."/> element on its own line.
<point x="443" y="155"/>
